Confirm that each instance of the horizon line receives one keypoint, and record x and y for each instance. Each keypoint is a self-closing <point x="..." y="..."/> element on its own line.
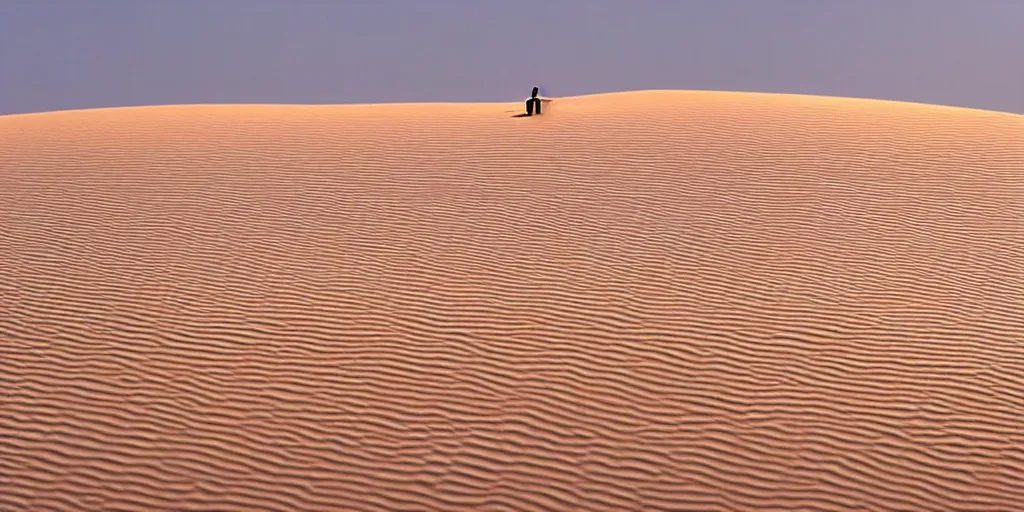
<point x="509" y="102"/>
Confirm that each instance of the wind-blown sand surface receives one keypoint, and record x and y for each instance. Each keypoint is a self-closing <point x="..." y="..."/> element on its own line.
<point x="654" y="300"/>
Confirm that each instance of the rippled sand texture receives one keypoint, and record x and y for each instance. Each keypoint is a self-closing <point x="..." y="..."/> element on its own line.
<point x="657" y="300"/>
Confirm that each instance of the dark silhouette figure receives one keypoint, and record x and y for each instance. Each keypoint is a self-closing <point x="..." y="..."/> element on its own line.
<point x="533" y="104"/>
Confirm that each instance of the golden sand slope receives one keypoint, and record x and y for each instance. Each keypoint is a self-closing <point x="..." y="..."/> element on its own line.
<point x="659" y="300"/>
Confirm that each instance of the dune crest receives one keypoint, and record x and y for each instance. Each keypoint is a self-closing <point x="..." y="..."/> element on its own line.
<point x="637" y="301"/>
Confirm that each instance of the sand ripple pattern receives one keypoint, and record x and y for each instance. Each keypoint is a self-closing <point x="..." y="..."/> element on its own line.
<point x="639" y="301"/>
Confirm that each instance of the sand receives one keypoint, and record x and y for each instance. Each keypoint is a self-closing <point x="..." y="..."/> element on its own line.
<point x="638" y="301"/>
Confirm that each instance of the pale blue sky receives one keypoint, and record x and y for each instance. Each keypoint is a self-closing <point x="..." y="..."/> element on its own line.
<point x="60" y="54"/>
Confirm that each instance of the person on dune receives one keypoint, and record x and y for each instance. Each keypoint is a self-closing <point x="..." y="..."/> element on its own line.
<point x="533" y="102"/>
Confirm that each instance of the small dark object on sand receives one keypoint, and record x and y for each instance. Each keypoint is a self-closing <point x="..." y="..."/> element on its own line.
<point x="533" y="104"/>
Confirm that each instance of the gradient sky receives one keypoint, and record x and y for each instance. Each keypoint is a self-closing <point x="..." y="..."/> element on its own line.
<point x="63" y="54"/>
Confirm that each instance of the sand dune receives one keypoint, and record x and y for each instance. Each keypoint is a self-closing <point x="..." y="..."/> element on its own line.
<point x="638" y="301"/>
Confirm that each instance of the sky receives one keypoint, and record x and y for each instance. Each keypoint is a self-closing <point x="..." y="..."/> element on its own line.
<point x="69" y="54"/>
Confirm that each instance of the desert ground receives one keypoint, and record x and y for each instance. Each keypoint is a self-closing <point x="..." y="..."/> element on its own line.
<point x="659" y="300"/>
